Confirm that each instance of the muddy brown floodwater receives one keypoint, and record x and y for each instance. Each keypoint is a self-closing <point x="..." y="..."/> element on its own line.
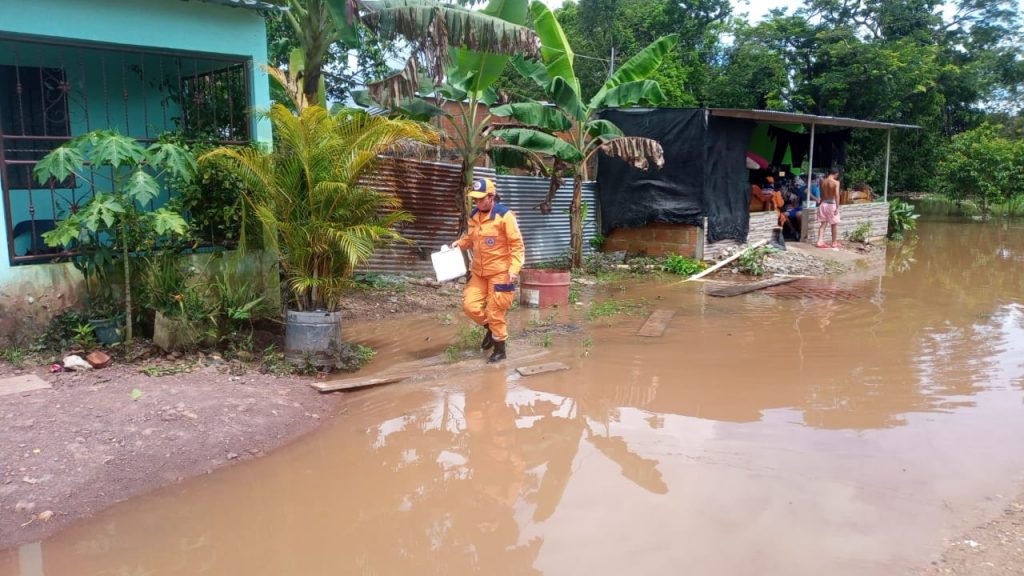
<point x="844" y="427"/>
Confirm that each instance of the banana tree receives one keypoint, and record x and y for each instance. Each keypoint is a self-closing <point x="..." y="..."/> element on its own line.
<point x="568" y="129"/>
<point x="469" y="84"/>
<point x="288" y="85"/>
<point x="430" y="27"/>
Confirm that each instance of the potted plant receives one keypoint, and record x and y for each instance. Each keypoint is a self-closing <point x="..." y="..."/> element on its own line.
<point x="316" y="216"/>
<point x="185" y="311"/>
<point x="124" y="177"/>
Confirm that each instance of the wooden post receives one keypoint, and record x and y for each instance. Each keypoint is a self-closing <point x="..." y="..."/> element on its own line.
<point x="810" y="181"/>
<point x="888" y="147"/>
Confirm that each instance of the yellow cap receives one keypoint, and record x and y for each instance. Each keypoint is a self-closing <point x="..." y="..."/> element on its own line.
<point x="482" y="187"/>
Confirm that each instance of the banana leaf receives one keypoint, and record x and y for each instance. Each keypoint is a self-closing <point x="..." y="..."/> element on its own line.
<point x="533" y="70"/>
<point x="345" y="13"/>
<point x="554" y="46"/>
<point x="540" y="142"/>
<point x="641" y="92"/>
<point x="603" y="129"/>
<point x="476" y="70"/>
<point x="639" y="67"/>
<point x="568" y="99"/>
<point x="535" y="114"/>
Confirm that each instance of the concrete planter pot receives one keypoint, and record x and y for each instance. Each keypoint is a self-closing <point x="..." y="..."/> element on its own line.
<point x="312" y="337"/>
<point x="172" y="334"/>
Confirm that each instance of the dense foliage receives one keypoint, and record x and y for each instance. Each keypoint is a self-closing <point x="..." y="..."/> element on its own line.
<point x="983" y="167"/>
<point x="946" y="67"/>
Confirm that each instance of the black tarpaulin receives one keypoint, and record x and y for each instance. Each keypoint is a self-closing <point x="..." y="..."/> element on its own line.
<point x="726" y="181"/>
<point x="704" y="174"/>
<point x="632" y="198"/>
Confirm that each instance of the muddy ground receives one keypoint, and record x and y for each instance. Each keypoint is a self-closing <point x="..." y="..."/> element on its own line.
<point x="97" y="438"/>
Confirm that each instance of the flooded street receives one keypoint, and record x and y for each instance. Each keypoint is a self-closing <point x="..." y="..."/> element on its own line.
<point x="841" y="427"/>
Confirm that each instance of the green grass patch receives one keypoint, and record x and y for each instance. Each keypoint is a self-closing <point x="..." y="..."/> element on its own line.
<point x="614" y="307"/>
<point x="13" y="355"/>
<point x="380" y="282"/>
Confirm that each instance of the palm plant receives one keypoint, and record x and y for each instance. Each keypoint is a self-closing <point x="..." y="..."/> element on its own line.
<point x="317" y="216"/>
<point x="570" y="130"/>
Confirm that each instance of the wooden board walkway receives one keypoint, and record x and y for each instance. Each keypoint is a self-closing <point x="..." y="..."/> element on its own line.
<point x="349" y="383"/>
<point x="656" y="323"/>
<point x="541" y="368"/>
<point x="737" y="289"/>
<point x="429" y="369"/>
<point x="24" y="383"/>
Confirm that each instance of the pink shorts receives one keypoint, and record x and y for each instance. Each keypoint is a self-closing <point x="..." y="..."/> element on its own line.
<point x="828" y="213"/>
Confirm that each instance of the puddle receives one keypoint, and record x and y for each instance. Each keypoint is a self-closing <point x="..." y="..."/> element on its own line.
<point x="760" y="435"/>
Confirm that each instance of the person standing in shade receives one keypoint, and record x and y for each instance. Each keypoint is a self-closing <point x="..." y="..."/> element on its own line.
<point x="498" y="254"/>
<point x="828" y="209"/>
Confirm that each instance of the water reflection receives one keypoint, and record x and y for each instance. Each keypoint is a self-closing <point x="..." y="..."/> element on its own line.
<point x="815" y="431"/>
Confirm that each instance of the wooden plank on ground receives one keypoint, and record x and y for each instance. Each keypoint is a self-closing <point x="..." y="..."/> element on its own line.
<point x="656" y="322"/>
<point x="726" y="261"/>
<point x="349" y="383"/>
<point x="541" y="368"/>
<point x="737" y="289"/>
<point x="23" y="383"/>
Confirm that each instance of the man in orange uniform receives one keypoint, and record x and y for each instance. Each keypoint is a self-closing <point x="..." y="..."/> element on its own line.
<point x="498" y="255"/>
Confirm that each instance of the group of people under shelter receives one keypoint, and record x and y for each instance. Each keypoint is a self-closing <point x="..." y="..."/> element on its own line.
<point x="787" y="194"/>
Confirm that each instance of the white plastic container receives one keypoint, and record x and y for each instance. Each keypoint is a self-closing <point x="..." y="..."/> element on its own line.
<point x="448" y="263"/>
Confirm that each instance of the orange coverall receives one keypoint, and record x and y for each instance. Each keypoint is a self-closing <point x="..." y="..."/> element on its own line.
<point x="498" y="251"/>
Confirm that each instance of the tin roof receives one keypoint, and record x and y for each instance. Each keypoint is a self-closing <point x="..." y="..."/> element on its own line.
<point x="795" y="118"/>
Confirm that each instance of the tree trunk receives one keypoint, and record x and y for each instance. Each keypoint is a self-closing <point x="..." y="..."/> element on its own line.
<point x="127" y="287"/>
<point x="576" y="222"/>
<point x="460" y="197"/>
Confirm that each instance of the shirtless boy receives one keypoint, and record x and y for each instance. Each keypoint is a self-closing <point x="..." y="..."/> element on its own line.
<point x="828" y="209"/>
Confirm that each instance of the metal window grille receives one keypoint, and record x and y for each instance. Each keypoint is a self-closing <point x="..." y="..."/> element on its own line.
<point x="52" y="91"/>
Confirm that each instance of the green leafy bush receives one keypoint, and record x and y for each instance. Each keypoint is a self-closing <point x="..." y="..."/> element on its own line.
<point x="860" y="234"/>
<point x="753" y="261"/>
<point x="682" y="265"/>
<point x="212" y="200"/>
<point x="983" y="166"/>
<point x="901" y="218"/>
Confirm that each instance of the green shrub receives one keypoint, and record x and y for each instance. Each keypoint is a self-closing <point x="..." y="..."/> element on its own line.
<point x="901" y="218"/>
<point x="753" y="261"/>
<point x="682" y="265"/>
<point x="860" y="234"/>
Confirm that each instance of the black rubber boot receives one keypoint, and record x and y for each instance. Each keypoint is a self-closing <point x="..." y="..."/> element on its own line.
<point x="488" y="341"/>
<point x="499" y="352"/>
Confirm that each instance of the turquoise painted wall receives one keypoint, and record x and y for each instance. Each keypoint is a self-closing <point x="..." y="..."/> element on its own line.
<point x="172" y="25"/>
<point x="193" y="26"/>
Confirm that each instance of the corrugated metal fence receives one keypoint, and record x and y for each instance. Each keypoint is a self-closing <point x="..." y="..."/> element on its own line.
<point x="428" y="190"/>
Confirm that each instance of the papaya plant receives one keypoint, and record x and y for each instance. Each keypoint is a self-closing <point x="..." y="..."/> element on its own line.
<point x="125" y="177"/>
<point x="569" y="130"/>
